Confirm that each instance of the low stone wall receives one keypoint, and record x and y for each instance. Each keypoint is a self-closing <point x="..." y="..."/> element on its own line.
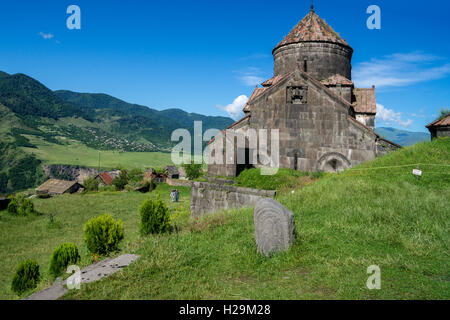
<point x="207" y="198"/>
<point x="178" y="183"/>
<point x="384" y="147"/>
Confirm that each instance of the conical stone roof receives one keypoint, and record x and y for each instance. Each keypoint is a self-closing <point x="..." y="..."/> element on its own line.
<point x="310" y="29"/>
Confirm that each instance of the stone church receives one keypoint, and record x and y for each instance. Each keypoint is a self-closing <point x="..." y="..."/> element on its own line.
<point x="324" y="122"/>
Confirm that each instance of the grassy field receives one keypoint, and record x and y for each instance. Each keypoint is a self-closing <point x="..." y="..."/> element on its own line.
<point x="375" y="214"/>
<point x="76" y="153"/>
<point x="35" y="238"/>
<point x="344" y="224"/>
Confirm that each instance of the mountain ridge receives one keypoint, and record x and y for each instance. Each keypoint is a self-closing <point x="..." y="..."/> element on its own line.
<point x="31" y="115"/>
<point x="402" y="137"/>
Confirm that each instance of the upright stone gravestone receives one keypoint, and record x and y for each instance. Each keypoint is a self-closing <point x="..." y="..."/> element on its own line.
<point x="274" y="226"/>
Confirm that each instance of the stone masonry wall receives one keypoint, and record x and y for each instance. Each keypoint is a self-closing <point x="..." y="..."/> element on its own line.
<point x="313" y="132"/>
<point x="207" y="198"/>
<point x="323" y="60"/>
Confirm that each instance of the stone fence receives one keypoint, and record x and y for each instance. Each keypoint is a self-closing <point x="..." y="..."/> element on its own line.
<point x="178" y="183"/>
<point x="207" y="198"/>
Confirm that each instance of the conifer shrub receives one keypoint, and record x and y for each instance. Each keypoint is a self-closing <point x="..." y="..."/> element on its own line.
<point x="26" y="277"/>
<point x="63" y="256"/>
<point x="155" y="218"/>
<point x="103" y="234"/>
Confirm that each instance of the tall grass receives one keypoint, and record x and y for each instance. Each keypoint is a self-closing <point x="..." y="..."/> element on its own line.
<point x="344" y="223"/>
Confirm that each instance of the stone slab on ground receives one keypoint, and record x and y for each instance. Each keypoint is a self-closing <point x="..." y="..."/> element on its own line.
<point x="106" y="267"/>
<point x="51" y="293"/>
<point x="89" y="274"/>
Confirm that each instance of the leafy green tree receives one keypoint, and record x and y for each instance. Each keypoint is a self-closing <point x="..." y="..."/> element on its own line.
<point x="91" y="184"/>
<point x="3" y="182"/>
<point x="444" y="112"/>
<point x="193" y="171"/>
<point x="121" y="181"/>
<point x="135" y="175"/>
<point x="21" y="206"/>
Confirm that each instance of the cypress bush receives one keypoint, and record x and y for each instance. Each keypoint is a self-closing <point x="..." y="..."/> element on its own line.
<point x="63" y="256"/>
<point x="103" y="234"/>
<point x="155" y="218"/>
<point x="26" y="277"/>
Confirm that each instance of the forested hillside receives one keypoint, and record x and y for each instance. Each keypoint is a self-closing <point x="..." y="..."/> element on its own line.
<point x="29" y="111"/>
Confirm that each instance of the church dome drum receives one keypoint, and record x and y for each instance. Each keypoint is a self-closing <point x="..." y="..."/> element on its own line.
<point x="314" y="47"/>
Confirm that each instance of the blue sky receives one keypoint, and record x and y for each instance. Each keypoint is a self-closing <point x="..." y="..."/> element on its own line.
<point x="207" y="56"/>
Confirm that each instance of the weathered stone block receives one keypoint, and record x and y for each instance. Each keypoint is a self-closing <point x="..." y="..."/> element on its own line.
<point x="274" y="226"/>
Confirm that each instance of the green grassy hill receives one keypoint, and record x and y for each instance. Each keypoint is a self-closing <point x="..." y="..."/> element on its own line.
<point x="38" y="126"/>
<point x="375" y="214"/>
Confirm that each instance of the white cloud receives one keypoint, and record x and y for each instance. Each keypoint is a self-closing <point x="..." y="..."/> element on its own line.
<point x="250" y="76"/>
<point x="389" y="116"/>
<point x="251" y="80"/>
<point x="234" y="109"/>
<point x="400" y="69"/>
<point x="46" y="36"/>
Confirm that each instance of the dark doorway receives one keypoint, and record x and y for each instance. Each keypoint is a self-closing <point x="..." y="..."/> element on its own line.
<point x="243" y="166"/>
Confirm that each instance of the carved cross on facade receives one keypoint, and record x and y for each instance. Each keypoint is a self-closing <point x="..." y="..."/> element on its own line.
<point x="297" y="95"/>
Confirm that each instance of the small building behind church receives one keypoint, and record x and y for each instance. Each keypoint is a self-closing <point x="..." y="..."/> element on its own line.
<point x="440" y="127"/>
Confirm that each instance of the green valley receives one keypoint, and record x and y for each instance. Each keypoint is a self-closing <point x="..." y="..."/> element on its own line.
<point x="377" y="213"/>
<point x="39" y="126"/>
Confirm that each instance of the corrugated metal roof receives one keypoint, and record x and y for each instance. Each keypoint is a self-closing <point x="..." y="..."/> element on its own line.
<point x="444" y="122"/>
<point x="312" y="28"/>
<point x="106" y="178"/>
<point x="365" y="100"/>
<point x="55" y="186"/>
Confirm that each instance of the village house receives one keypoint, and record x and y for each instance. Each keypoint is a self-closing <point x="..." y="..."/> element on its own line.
<point x="440" y="127"/>
<point x="104" y="178"/>
<point x="155" y="176"/>
<point x="172" y="172"/>
<point x="324" y="122"/>
<point x="58" y="187"/>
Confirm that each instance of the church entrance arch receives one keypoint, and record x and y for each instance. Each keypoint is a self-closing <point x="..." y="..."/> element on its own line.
<point x="333" y="162"/>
